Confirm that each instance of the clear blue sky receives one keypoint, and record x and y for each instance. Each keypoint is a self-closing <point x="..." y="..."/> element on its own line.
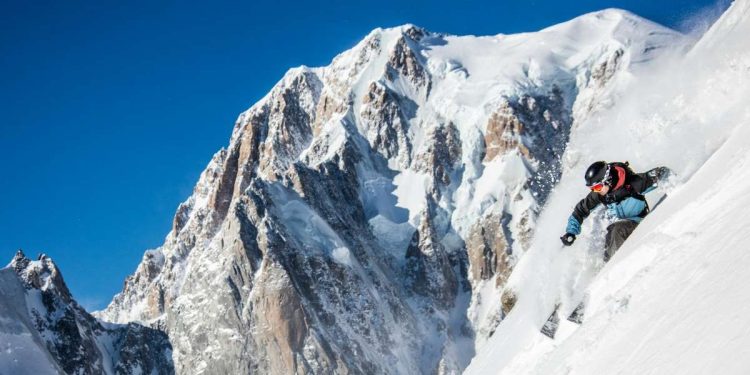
<point x="110" y="110"/>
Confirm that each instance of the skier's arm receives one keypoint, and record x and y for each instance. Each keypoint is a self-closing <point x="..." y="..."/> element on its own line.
<point x="650" y="180"/>
<point x="582" y="211"/>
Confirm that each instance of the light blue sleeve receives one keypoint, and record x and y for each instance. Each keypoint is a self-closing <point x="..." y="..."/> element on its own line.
<point x="630" y="208"/>
<point x="574" y="226"/>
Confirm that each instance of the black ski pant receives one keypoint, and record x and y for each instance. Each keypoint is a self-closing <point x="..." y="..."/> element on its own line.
<point x="617" y="233"/>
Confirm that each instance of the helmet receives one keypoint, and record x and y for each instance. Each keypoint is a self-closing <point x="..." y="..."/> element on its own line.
<point x="597" y="172"/>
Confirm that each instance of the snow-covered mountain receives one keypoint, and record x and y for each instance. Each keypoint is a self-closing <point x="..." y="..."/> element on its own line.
<point x="366" y="216"/>
<point x="673" y="300"/>
<point x="44" y="331"/>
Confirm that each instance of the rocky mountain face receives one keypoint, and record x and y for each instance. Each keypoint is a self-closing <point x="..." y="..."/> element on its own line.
<point x="365" y="215"/>
<point x="40" y="320"/>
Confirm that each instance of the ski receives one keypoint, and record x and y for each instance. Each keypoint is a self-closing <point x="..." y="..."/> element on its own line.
<point x="663" y="197"/>
<point x="577" y="315"/>
<point x="550" y="326"/>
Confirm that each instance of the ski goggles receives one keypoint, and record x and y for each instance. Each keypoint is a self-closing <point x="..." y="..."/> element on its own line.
<point x="598" y="187"/>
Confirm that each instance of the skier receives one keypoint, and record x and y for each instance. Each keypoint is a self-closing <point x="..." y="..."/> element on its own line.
<point x="621" y="190"/>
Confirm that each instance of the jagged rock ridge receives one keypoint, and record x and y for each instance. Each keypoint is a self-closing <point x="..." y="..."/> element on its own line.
<point x="44" y="330"/>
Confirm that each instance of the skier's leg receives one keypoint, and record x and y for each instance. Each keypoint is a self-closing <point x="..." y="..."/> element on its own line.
<point x="617" y="233"/>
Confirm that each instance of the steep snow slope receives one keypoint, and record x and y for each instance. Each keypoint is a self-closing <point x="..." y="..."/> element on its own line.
<point x="673" y="299"/>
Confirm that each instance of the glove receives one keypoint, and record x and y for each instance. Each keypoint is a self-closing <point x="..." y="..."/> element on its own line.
<point x="659" y="173"/>
<point x="568" y="239"/>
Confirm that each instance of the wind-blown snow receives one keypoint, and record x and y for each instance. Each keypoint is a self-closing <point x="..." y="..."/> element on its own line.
<point x="673" y="299"/>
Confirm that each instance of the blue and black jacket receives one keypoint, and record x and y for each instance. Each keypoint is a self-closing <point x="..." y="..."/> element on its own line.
<point x="624" y="201"/>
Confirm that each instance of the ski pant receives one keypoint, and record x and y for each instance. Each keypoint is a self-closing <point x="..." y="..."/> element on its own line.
<point x="617" y="233"/>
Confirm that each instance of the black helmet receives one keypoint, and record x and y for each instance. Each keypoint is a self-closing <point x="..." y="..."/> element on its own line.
<point x="597" y="172"/>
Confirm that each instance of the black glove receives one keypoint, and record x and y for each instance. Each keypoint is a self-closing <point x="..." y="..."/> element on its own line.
<point x="568" y="239"/>
<point x="659" y="174"/>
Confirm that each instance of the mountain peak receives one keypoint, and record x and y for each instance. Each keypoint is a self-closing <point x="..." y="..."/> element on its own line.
<point x="406" y="29"/>
<point x="414" y="32"/>
<point x="614" y="21"/>
<point x="611" y="13"/>
<point x="42" y="274"/>
<point x="19" y="259"/>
